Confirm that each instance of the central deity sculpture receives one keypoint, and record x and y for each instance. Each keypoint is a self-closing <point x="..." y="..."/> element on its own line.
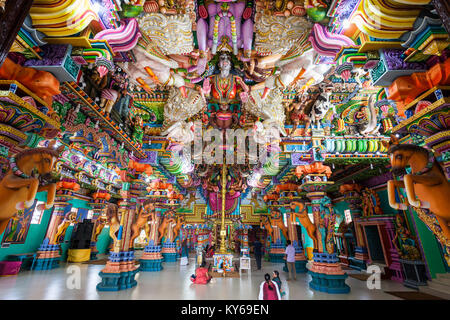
<point x="223" y="89"/>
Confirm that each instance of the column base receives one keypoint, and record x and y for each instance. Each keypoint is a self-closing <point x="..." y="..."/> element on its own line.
<point x="169" y="252"/>
<point x="117" y="281"/>
<point x="327" y="274"/>
<point x="152" y="259"/>
<point x="357" y="264"/>
<point x="47" y="257"/>
<point x="328" y="283"/>
<point x="119" y="272"/>
<point x="94" y="251"/>
<point x="276" y="253"/>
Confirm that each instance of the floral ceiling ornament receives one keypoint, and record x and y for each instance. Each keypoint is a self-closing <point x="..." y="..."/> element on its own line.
<point x="173" y="34"/>
<point x="179" y="108"/>
<point x="270" y="109"/>
<point x="276" y="35"/>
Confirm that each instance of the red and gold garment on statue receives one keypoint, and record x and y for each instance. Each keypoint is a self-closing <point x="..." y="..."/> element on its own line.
<point x="224" y="90"/>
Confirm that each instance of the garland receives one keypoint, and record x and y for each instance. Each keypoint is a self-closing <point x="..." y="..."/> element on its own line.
<point x="16" y="170"/>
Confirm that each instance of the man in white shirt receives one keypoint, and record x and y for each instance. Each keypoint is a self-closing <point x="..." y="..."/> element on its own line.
<point x="290" y="260"/>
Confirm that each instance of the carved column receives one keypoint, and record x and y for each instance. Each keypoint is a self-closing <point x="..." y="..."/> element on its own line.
<point x="11" y="21"/>
<point x="395" y="267"/>
<point x="300" y="259"/>
<point x="353" y="198"/>
<point x="326" y="272"/>
<point x="245" y="238"/>
<point x="97" y="208"/>
<point x="120" y="269"/>
<point x="48" y="253"/>
<point x="152" y="258"/>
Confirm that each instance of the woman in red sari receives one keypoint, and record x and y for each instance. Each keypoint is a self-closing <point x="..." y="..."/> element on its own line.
<point x="268" y="289"/>
<point x="201" y="275"/>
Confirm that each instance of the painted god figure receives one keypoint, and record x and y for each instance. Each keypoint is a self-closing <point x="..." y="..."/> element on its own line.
<point x="224" y="26"/>
<point x="225" y="87"/>
<point x="298" y="114"/>
<point x="213" y="191"/>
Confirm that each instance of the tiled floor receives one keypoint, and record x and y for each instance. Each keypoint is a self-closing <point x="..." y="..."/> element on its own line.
<point x="173" y="283"/>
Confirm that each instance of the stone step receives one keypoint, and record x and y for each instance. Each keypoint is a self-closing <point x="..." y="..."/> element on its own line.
<point x="436" y="293"/>
<point x="443" y="277"/>
<point x="442" y="281"/>
<point x="439" y="286"/>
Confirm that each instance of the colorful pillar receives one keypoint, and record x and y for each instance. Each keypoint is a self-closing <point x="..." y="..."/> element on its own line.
<point x="353" y="198"/>
<point x="152" y="258"/>
<point x="48" y="253"/>
<point x="97" y="208"/>
<point x="169" y="250"/>
<point x="120" y="269"/>
<point x="300" y="258"/>
<point x="326" y="272"/>
<point x="245" y="247"/>
<point x="277" y="247"/>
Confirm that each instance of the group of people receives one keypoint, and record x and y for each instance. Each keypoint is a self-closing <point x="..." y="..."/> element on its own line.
<point x="270" y="288"/>
<point x="289" y="252"/>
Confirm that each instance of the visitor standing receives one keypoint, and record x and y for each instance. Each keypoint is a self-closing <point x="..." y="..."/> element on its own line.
<point x="277" y="280"/>
<point x="258" y="252"/>
<point x="268" y="290"/>
<point x="184" y="253"/>
<point x="290" y="260"/>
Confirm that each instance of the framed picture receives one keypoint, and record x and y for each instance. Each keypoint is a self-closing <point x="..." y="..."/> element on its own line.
<point x="244" y="263"/>
<point x="17" y="229"/>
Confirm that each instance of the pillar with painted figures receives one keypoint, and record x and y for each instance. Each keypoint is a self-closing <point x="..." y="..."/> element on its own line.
<point x="121" y="269"/>
<point x="300" y="258"/>
<point x="326" y="272"/>
<point x="353" y="198"/>
<point x="99" y="224"/>
<point x="152" y="258"/>
<point x="47" y="256"/>
<point x="245" y="238"/>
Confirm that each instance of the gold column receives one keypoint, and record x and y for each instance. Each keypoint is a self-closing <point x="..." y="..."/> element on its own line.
<point x="223" y="231"/>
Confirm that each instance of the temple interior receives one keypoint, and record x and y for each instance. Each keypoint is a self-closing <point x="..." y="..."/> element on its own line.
<point x="144" y="140"/>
